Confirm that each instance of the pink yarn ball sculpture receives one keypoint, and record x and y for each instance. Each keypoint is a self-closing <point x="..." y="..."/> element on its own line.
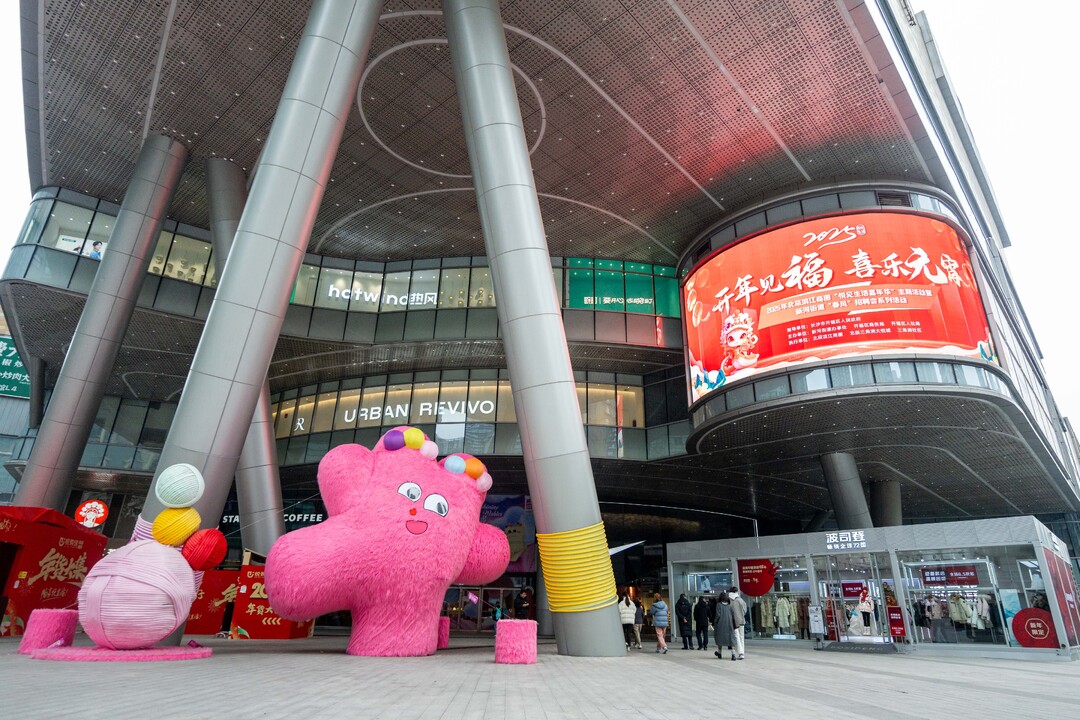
<point x="135" y="596"/>
<point x="515" y="642"/>
<point x="205" y="549"/>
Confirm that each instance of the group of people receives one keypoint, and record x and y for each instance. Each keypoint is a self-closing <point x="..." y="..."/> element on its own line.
<point x="727" y="621"/>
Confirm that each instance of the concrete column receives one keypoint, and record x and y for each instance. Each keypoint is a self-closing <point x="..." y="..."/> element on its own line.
<point x="817" y="521"/>
<point x="46" y="481"/>
<point x="35" y="368"/>
<point x="555" y="451"/>
<point x="845" y="490"/>
<point x="229" y="370"/>
<point x="258" y="486"/>
<point x="886" y="505"/>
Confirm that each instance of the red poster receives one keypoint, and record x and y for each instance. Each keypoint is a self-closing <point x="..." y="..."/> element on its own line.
<point x="950" y="575"/>
<point x="756" y="577"/>
<point x="839" y="286"/>
<point x="852" y="589"/>
<point x="1065" y="590"/>
<point x="218" y="589"/>
<point x="254" y="619"/>
<point x="896" y="621"/>
<point x="1034" y="628"/>
<point x="53" y="554"/>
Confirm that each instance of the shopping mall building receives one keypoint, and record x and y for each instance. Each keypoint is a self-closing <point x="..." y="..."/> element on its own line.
<point x="759" y="232"/>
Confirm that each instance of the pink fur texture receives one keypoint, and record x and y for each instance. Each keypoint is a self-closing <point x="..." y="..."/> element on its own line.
<point x="444" y="632"/>
<point x="98" y="654"/>
<point x="515" y="642"/>
<point x="45" y="627"/>
<point x="402" y="528"/>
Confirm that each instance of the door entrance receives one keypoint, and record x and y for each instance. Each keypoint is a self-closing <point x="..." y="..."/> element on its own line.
<point x="855" y="591"/>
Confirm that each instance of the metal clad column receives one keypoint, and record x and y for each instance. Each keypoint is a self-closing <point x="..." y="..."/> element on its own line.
<point x="577" y="570"/>
<point x="258" y="486"/>
<point x="886" y="503"/>
<point x="846" y="491"/>
<point x="229" y="369"/>
<point x="51" y="468"/>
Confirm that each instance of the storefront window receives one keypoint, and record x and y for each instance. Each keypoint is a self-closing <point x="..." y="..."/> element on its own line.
<point x="505" y="411"/>
<point x="67" y="227"/>
<point x="161" y="252"/>
<point x="631" y="407"/>
<point x="610" y="294"/>
<point x="335" y="289"/>
<point x="454" y="290"/>
<point x="100" y="231"/>
<point x="581" y="291"/>
<point x="452" y="402"/>
<point x="345" y="415"/>
<point x="396" y="409"/>
<point x="366" y="290"/>
<point x="283" y="418"/>
<point x="371" y="407"/>
<point x="324" y="413"/>
<point x="583" y="401"/>
<point x="187" y="259"/>
<point x="481" y="291"/>
<point x="35" y="221"/>
<point x="129" y="423"/>
<point x="639" y="294"/>
<point x="602" y="406"/>
<point x="424" y="399"/>
<point x="482" y="396"/>
<point x="305" y="408"/>
<point x="424" y="293"/>
<point x="306" y="283"/>
<point x="855" y="591"/>
<point x="396" y="291"/>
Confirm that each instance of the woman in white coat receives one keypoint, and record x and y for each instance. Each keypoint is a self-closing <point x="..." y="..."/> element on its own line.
<point x="627" y="611"/>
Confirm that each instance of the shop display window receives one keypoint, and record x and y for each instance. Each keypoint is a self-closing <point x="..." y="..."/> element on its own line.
<point x="782" y="612"/>
<point x="67" y="227"/>
<point x="855" y="591"/>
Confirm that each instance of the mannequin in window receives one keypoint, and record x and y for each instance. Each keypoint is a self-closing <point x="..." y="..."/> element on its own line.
<point x="866" y="609"/>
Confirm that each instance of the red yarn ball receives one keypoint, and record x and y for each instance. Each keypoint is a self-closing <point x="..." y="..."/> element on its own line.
<point x="205" y="549"/>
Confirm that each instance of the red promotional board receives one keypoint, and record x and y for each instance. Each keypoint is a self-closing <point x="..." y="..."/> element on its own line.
<point x="1065" y="590"/>
<point x="852" y="589"/>
<point x="896" y="621"/>
<point x="254" y="619"/>
<point x="950" y="575"/>
<point x="756" y="577"/>
<point x="1034" y="628"/>
<point x="839" y="286"/>
<point x="218" y="589"/>
<point x="52" y="554"/>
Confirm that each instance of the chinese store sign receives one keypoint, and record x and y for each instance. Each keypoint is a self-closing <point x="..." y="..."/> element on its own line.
<point x="836" y="287"/>
<point x="845" y="540"/>
<point x="950" y="575"/>
<point x="13" y="378"/>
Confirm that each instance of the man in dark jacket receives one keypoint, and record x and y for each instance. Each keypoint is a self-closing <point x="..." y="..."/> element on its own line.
<point x="701" y="622"/>
<point x="683" y="610"/>
<point x="521" y="606"/>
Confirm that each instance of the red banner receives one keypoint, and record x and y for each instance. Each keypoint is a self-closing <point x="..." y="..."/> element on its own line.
<point x="896" y="621"/>
<point x="1034" y="628"/>
<point x="53" y="554"/>
<point x="950" y="575"/>
<point x="218" y="589"/>
<point x="254" y="619"/>
<point x="1065" y="590"/>
<point x="852" y="589"/>
<point x="756" y="577"/>
<point x="839" y="286"/>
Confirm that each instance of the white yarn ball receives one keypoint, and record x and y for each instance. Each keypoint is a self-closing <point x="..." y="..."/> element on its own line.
<point x="180" y="485"/>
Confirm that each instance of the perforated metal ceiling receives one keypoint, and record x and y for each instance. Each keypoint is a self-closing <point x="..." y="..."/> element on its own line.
<point x="648" y="120"/>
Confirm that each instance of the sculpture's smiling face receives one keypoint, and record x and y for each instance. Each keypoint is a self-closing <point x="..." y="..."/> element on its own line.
<point x="433" y="506"/>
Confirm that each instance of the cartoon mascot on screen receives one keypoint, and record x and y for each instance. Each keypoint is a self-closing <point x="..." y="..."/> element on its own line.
<point x="739" y="339"/>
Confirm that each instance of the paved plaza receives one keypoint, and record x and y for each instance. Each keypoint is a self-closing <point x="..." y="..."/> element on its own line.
<point x="315" y="679"/>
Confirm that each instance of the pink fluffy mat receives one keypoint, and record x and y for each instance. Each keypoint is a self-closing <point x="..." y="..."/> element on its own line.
<point x="96" y="654"/>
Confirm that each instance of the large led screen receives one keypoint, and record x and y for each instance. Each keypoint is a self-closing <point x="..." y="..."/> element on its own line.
<point x="835" y="287"/>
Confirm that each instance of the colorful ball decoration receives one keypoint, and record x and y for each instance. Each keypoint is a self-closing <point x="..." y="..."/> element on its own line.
<point x="429" y="450"/>
<point x="205" y="549"/>
<point x="455" y="464"/>
<point x="394" y="440"/>
<point x="136" y="596"/>
<point x="474" y="468"/>
<point x="173" y="526"/>
<point x="180" y="485"/>
<point x="414" y="438"/>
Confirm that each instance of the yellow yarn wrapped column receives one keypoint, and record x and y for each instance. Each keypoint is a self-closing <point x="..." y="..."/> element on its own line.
<point x="577" y="569"/>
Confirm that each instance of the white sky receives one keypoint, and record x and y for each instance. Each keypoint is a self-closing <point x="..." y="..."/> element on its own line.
<point x="1007" y="63"/>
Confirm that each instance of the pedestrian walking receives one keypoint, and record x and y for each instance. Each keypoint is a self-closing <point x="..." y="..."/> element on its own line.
<point x="701" y="622"/>
<point x="738" y="609"/>
<point x="724" y="622"/>
<point x="639" y="620"/>
<point x="659" y="613"/>
<point x="684" y="613"/>
<point x="627" y="612"/>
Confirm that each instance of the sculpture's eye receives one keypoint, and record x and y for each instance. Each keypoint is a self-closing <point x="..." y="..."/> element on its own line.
<point x="437" y="504"/>
<point x="411" y="491"/>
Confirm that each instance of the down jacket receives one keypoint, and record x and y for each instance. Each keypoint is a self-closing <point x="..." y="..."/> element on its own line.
<point x="627" y="612"/>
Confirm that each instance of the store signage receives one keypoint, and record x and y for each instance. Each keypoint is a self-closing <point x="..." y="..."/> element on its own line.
<point x="254" y="619"/>
<point x="942" y="575"/>
<point x="91" y="513"/>
<point x="896" y="621"/>
<point x="756" y="577"/>
<point x="817" y="622"/>
<point x="14" y="381"/>
<point x="218" y="589"/>
<point x="1065" y="590"/>
<point x="845" y="540"/>
<point x="852" y="589"/>
<point x="841" y="286"/>
<point x="1034" y="628"/>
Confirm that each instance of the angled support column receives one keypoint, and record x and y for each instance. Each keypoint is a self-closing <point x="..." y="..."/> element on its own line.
<point x="577" y="570"/>
<point x="886" y="503"/>
<point x="258" y="486"/>
<point x="229" y="369"/>
<point x="51" y="468"/>
<point x="846" y="491"/>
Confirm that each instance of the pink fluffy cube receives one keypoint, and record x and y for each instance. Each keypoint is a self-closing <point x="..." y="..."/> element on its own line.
<point x="444" y="632"/>
<point x="515" y="642"/>
<point x="47" y="627"/>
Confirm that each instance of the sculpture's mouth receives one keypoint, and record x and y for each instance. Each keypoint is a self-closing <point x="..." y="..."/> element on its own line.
<point x="416" y="527"/>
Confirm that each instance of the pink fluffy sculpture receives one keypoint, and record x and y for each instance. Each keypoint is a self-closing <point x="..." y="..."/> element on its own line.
<point x="402" y="529"/>
<point x="515" y="642"/>
<point x="47" y="627"/>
